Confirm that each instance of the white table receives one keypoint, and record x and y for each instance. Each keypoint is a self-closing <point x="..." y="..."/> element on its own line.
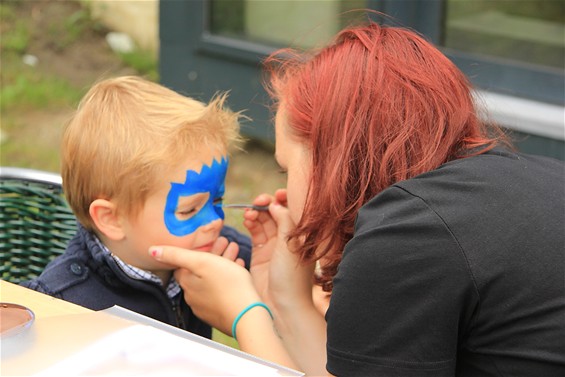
<point x="67" y="339"/>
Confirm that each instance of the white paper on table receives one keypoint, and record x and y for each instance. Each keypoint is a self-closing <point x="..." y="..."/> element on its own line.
<point x="142" y="350"/>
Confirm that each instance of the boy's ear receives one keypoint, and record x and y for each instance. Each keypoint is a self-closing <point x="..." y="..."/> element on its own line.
<point x="104" y="214"/>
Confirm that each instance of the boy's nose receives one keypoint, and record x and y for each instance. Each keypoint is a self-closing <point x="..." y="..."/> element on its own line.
<point x="213" y="225"/>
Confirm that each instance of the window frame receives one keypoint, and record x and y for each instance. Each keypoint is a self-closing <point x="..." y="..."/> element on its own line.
<point x="504" y="76"/>
<point x="188" y="40"/>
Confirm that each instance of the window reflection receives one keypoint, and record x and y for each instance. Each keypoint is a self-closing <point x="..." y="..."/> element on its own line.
<point x="297" y="23"/>
<point x="520" y="30"/>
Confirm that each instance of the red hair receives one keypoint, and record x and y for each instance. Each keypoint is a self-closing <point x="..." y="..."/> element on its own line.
<point x="377" y="106"/>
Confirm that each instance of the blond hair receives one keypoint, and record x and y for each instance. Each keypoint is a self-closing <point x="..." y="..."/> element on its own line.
<point x="126" y="132"/>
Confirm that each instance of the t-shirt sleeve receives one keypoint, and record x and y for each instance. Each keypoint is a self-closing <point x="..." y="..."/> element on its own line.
<point x="402" y="294"/>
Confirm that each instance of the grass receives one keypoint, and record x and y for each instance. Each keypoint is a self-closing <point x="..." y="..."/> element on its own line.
<point x="143" y="62"/>
<point x="16" y="36"/>
<point x="25" y="88"/>
<point x="220" y="337"/>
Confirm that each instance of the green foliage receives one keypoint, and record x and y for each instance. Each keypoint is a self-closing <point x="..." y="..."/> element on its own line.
<point x="143" y="62"/>
<point x="15" y="33"/>
<point x="16" y="39"/>
<point x="66" y="33"/>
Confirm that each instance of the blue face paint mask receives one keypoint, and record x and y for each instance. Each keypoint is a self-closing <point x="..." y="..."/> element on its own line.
<point x="210" y="180"/>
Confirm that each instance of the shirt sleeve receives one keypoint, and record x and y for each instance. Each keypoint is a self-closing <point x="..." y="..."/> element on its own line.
<point x="402" y="294"/>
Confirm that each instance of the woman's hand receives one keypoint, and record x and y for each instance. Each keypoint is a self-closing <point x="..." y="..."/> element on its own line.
<point x="263" y="231"/>
<point x="215" y="287"/>
<point x="285" y="283"/>
<point x="277" y="273"/>
<point x="217" y="290"/>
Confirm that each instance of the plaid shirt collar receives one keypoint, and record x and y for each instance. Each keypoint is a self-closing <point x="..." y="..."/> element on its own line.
<point x="173" y="287"/>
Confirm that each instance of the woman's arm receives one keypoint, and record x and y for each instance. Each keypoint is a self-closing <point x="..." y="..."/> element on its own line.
<point x="218" y="301"/>
<point x="298" y="344"/>
<point x="297" y="336"/>
<point x="256" y="335"/>
<point x="303" y="332"/>
<point x="286" y="284"/>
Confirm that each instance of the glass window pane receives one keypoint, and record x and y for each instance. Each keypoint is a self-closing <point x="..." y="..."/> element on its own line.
<point x="530" y="31"/>
<point x="297" y="23"/>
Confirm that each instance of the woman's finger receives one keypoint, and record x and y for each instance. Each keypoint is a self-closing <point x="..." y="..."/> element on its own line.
<point x="280" y="197"/>
<point x="281" y="217"/>
<point x="183" y="258"/>
<point x="263" y="200"/>
<point x="263" y="222"/>
<point x="240" y="262"/>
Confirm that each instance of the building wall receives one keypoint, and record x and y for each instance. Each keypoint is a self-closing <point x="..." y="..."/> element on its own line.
<point x="139" y="19"/>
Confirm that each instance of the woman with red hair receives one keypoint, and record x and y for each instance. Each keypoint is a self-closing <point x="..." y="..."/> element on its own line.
<point x="441" y="246"/>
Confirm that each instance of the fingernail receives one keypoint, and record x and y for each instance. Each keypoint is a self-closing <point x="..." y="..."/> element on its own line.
<point x="156" y="252"/>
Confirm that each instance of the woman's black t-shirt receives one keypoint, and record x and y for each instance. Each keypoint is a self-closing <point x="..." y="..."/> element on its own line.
<point x="457" y="272"/>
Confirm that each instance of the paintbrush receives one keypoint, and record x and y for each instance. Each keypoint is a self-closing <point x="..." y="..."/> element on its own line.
<point x="244" y="206"/>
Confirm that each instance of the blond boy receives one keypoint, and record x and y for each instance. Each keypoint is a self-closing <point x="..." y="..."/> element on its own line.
<point x="142" y="165"/>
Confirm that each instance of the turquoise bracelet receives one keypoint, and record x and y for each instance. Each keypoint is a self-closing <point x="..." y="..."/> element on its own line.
<point x="245" y="310"/>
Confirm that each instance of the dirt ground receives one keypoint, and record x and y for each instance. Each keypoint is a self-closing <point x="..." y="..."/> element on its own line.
<point x="88" y="59"/>
<point x="82" y="61"/>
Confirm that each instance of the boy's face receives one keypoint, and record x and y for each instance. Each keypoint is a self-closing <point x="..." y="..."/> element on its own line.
<point x="184" y="211"/>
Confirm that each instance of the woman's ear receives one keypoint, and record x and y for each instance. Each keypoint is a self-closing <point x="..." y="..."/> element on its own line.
<point x="105" y="216"/>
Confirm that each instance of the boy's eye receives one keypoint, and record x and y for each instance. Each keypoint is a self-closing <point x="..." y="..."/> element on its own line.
<point x="186" y="213"/>
<point x="218" y="200"/>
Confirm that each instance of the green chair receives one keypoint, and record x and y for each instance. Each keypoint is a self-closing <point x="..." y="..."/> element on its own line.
<point x="35" y="222"/>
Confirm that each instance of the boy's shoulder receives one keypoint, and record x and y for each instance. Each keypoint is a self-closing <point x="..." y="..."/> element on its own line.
<point x="68" y="270"/>
<point x="63" y="272"/>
